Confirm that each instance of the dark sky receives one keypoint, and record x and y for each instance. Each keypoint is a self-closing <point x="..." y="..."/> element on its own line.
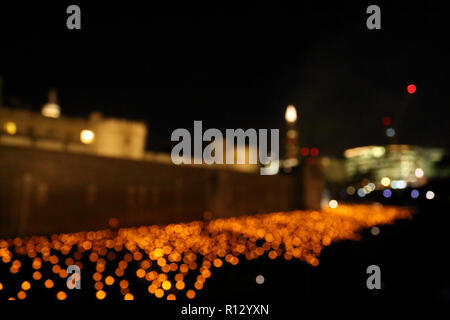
<point x="237" y="67"/>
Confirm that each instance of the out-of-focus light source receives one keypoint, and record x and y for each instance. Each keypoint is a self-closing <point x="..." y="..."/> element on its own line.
<point x="291" y="114"/>
<point x="378" y="151"/>
<point x="314" y="152"/>
<point x="386" y="121"/>
<point x="333" y="204"/>
<point x="11" y="128"/>
<point x="87" y="136"/>
<point x="304" y="151"/>
<point x="414" y="194"/>
<point x="260" y="279"/>
<point x="371" y="186"/>
<point x="398" y="184"/>
<point x="51" y="110"/>
<point x="292" y="134"/>
<point x="351" y="190"/>
<point x="390" y="132"/>
<point x="419" y="173"/>
<point x="387" y="193"/>
<point x="411" y="88"/>
<point x="375" y="231"/>
<point x="385" y="181"/>
<point x="361" y="192"/>
<point x="429" y="195"/>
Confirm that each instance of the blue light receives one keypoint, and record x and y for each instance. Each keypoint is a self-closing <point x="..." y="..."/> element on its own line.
<point x="390" y="132"/>
<point x="414" y="194"/>
<point x="361" y="192"/>
<point x="387" y="193"/>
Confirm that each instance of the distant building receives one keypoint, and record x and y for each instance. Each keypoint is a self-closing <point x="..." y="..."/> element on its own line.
<point x="398" y="165"/>
<point x="51" y="131"/>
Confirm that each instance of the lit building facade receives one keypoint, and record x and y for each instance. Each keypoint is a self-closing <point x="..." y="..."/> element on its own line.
<point x="405" y="164"/>
<point x="51" y="131"/>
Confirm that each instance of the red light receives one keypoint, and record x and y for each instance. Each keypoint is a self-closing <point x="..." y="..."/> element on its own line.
<point x="314" y="152"/>
<point x="304" y="151"/>
<point x="411" y="88"/>
<point x="386" y="121"/>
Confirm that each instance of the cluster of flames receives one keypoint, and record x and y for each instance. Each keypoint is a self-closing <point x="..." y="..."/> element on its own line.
<point x="163" y="256"/>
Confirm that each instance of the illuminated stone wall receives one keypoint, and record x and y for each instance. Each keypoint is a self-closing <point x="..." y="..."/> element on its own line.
<point x="45" y="192"/>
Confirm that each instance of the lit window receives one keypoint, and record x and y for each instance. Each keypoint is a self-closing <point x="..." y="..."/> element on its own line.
<point x="10" y="128"/>
<point x="87" y="136"/>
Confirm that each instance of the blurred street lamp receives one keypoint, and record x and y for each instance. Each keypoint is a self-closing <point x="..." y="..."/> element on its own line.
<point x="51" y="109"/>
<point x="291" y="142"/>
<point x="291" y="114"/>
<point x="87" y="136"/>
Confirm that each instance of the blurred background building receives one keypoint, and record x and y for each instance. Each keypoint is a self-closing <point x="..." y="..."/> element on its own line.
<point x="49" y="130"/>
<point x="396" y="165"/>
<point x="65" y="174"/>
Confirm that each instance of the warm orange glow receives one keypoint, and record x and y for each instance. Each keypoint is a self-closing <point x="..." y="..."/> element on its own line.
<point x="171" y="297"/>
<point x="49" y="284"/>
<point x="100" y="295"/>
<point x="180" y="285"/>
<point x="218" y="263"/>
<point x="128" y="296"/>
<point x="61" y="295"/>
<point x="159" y="293"/>
<point x="113" y="222"/>
<point x="166" y="285"/>
<point x="123" y="284"/>
<point x="21" y="295"/>
<point x="26" y="285"/>
<point x="97" y="276"/>
<point x="98" y="285"/>
<point x="140" y="273"/>
<point x="184" y="256"/>
<point x="109" y="280"/>
<point x="190" y="294"/>
<point x="10" y="128"/>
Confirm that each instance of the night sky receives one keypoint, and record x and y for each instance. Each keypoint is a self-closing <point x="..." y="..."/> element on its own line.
<point x="237" y="67"/>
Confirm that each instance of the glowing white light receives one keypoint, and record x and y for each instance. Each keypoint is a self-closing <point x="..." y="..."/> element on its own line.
<point x="375" y="231"/>
<point x="429" y="195"/>
<point x="260" y="279"/>
<point x="385" y="181"/>
<point x="419" y="173"/>
<point x="371" y="186"/>
<point x="87" y="136"/>
<point x="398" y="184"/>
<point x="51" y="110"/>
<point x="333" y="204"/>
<point x="378" y="151"/>
<point x="390" y="132"/>
<point x="291" y="114"/>
<point x="361" y="192"/>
